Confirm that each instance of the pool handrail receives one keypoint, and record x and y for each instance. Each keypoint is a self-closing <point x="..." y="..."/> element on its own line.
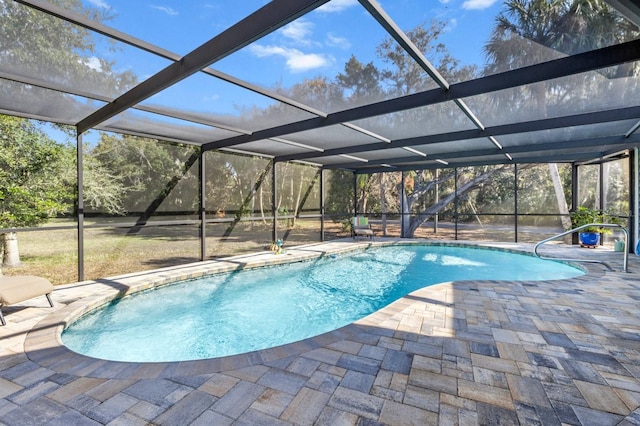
<point x="571" y="231"/>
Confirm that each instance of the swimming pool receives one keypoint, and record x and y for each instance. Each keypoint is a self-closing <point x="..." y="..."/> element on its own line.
<point x="239" y="312"/>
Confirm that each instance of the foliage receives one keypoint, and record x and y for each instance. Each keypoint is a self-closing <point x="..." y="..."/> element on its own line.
<point x="103" y="189"/>
<point x="528" y="32"/>
<point x="616" y="187"/>
<point x="586" y="216"/>
<point x="360" y="81"/>
<point x="33" y="182"/>
<point x="144" y="168"/>
<point x="405" y="76"/>
<point x="66" y="55"/>
<point x="339" y="199"/>
<point x="224" y="177"/>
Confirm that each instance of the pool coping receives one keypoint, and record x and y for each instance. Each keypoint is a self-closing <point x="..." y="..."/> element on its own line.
<point x="43" y="344"/>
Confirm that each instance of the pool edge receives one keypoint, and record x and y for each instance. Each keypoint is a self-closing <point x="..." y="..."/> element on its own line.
<point x="43" y="344"/>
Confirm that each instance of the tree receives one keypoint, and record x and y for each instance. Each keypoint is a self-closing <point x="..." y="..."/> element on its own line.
<point x="364" y="184"/>
<point x="67" y="55"/>
<point x="103" y="189"/>
<point x="157" y="176"/>
<point x="361" y="82"/>
<point x="33" y="185"/>
<point x="300" y="190"/>
<point x="319" y="92"/>
<point x="388" y="196"/>
<point x="532" y="31"/>
<point x="339" y="190"/>
<point x="473" y="178"/>
<point x="405" y="76"/>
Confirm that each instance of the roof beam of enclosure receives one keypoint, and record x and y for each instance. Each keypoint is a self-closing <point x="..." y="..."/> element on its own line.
<point x="559" y="158"/>
<point x="405" y="42"/>
<point x="505" y="129"/>
<point x="579" y="63"/>
<point x="151" y="48"/>
<point x="629" y="8"/>
<point x="520" y="149"/>
<point x="613" y="153"/>
<point x="80" y="20"/>
<point x="265" y="20"/>
<point x="148" y="108"/>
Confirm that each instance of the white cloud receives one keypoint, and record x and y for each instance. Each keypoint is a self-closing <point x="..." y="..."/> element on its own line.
<point x="166" y="9"/>
<point x="336" y="41"/>
<point x="93" y="63"/>
<point x="296" y="60"/>
<point x="451" y="24"/>
<point x="336" y="6"/>
<point x="297" y="30"/>
<point x="100" y="3"/>
<point x="304" y="62"/>
<point x="477" y="4"/>
<point x="211" y="98"/>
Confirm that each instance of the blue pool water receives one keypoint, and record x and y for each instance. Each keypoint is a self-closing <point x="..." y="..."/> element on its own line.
<point x="239" y="312"/>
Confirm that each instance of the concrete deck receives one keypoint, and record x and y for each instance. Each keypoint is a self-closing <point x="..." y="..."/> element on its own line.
<point x="475" y="352"/>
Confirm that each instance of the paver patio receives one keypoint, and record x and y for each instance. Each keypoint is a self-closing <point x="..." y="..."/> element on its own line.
<point x="474" y="352"/>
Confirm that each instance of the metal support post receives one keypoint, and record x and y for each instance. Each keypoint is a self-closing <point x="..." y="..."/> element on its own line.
<point x="203" y="207"/>
<point x="80" y="208"/>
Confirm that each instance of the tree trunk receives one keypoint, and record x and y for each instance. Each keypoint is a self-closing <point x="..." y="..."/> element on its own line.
<point x="420" y="218"/>
<point x="561" y="199"/>
<point x="253" y="206"/>
<point x="11" y="254"/>
<point x="405" y="218"/>
<point x="296" y="205"/>
<point x="383" y="203"/>
<point x="364" y="202"/>
<point x="264" y="220"/>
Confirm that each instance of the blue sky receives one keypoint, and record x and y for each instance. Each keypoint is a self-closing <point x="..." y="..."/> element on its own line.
<point x="315" y="45"/>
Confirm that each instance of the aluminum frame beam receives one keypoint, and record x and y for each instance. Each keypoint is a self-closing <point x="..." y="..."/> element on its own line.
<point x="543" y="147"/>
<point x="265" y="20"/>
<point x="405" y="42"/>
<point x="505" y="129"/>
<point x="629" y="8"/>
<point x="76" y="19"/>
<point x="559" y="158"/>
<point x="579" y="63"/>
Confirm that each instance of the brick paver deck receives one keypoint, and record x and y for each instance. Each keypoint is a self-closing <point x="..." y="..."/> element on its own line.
<point x="475" y="352"/>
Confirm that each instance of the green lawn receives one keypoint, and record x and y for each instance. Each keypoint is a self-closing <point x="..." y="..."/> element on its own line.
<point x="110" y="251"/>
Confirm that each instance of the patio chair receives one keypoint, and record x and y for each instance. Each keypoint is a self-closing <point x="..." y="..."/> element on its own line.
<point x="19" y="288"/>
<point x="360" y="227"/>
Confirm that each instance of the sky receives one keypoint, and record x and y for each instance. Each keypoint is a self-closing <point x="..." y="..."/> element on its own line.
<point x="318" y="44"/>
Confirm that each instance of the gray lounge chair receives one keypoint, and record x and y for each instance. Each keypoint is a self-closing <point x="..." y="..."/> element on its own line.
<point x="20" y="288"/>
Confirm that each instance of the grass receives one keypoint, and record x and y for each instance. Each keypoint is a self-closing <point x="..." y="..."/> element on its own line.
<point x="110" y="251"/>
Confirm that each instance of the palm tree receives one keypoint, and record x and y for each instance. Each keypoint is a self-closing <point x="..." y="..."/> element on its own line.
<point x="533" y="31"/>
